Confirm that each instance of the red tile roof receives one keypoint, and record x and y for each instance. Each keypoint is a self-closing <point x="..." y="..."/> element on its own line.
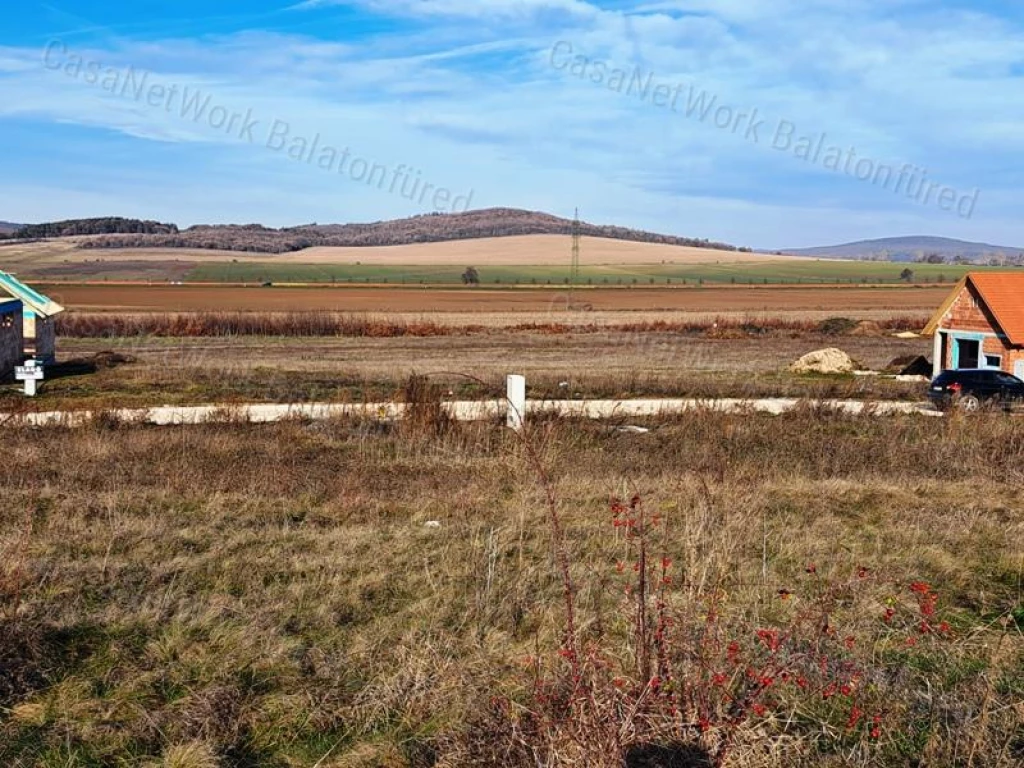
<point x="1003" y="293"/>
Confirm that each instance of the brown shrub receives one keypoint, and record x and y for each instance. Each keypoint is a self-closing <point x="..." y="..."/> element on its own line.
<point x="327" y="324"/>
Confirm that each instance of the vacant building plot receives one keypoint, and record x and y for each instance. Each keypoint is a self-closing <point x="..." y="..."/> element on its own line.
<point x="351" y="594"/>
<point x="468" y="364"/>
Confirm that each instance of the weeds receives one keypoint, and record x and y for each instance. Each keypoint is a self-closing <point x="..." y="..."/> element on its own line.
<point x="695" y="676"/>
<point x="214" y="324"/>
<point x="425" y="415"/>
<point x="334" y="324"/>
<point x="241" y="594"/>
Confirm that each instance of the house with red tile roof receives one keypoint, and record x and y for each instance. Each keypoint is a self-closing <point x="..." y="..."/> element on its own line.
<point x="981" y="324"/>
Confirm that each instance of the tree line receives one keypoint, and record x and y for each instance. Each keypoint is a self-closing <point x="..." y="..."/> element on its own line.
<point x="101" y="226"/>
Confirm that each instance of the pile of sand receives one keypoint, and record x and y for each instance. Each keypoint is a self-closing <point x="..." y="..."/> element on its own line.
<point x="830" y="360"/>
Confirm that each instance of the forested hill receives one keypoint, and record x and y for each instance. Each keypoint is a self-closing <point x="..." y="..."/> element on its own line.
<point x="427" y="228"/>
<point x="103" y="226"/>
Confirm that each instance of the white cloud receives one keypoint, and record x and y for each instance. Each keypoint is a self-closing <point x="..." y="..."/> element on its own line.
<point x="479" y="106"/>
<point x="474" y="9"/>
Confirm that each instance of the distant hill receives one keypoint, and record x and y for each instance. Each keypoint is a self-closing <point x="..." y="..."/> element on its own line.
<point x="8" y="227"/>
<point x="917" y="248"/>
<point x="427" y="228"/>
<point x="101" y="226"/>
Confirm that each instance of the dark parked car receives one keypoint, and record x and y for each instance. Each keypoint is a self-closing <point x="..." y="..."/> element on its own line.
<point x="969" y="390"/>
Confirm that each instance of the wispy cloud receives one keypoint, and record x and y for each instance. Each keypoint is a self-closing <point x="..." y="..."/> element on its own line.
<point x="464" y="91"/>
<point x="475" y="9"/>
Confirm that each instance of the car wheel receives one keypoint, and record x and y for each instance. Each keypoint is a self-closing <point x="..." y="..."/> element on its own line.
<point x="969" y="403"/>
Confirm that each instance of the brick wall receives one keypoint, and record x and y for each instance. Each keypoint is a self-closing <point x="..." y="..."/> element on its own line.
<point x="968" y="313"/>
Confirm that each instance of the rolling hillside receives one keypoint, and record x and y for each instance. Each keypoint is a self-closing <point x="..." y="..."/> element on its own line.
<point x="911" y="249"/>
<point x="429" y="228"/>
<point x="513" y="259"/>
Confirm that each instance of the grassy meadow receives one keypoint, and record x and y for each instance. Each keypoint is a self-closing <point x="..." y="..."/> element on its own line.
<point x="832" y="591"/>
<point x="810" y="271"/>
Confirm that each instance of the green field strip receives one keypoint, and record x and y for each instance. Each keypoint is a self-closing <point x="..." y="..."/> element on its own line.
<point x="771" y="273"/>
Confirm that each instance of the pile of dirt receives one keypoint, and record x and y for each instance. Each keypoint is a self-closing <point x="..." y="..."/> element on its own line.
<point x="909" y="365"/>
<point x="836" y="326"/>
<point x="827" y="361"/>
<point x="868" y="328"/>
<point x="108" y="359"/>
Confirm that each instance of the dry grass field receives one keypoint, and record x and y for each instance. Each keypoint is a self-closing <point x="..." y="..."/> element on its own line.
<point x="738" y="591"/>
<point x="556" y="315"/>
<point x="353" y="594"/>
<point x="201" y="358"/>
<point x="528" y="250"/>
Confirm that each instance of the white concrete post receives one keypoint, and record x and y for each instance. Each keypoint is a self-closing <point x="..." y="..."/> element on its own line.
<point x="937" y="351"/>
<point x="516" y="396"/>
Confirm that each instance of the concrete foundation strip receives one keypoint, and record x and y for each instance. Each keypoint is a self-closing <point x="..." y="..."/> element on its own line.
<point x="461" y="410"/>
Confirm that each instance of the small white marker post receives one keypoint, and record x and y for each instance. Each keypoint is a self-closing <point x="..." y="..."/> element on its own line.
<point x="516" y="396"/>
<point x="30" y="373"/>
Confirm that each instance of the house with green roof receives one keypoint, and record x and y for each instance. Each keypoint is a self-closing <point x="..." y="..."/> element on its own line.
<point x="11" y="343"/>
<point x="38" y="312"/>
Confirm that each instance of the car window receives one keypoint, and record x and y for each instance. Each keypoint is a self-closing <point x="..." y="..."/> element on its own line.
<point x="1007" y="379"/>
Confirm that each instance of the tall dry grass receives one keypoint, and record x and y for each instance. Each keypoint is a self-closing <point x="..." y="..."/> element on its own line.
<point x="273" y="595"/>
<point x="327" y="324"/>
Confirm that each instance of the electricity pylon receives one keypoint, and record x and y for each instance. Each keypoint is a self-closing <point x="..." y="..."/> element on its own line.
<point x="574" y="268"/>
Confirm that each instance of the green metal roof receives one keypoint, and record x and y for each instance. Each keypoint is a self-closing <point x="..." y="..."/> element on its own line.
<point x="30" y="297"/>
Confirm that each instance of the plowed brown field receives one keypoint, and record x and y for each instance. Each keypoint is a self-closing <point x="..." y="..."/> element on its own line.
<point x="384" y="299"/>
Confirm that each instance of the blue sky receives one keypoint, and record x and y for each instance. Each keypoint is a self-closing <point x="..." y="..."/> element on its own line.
<point x="516" y="103"/>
